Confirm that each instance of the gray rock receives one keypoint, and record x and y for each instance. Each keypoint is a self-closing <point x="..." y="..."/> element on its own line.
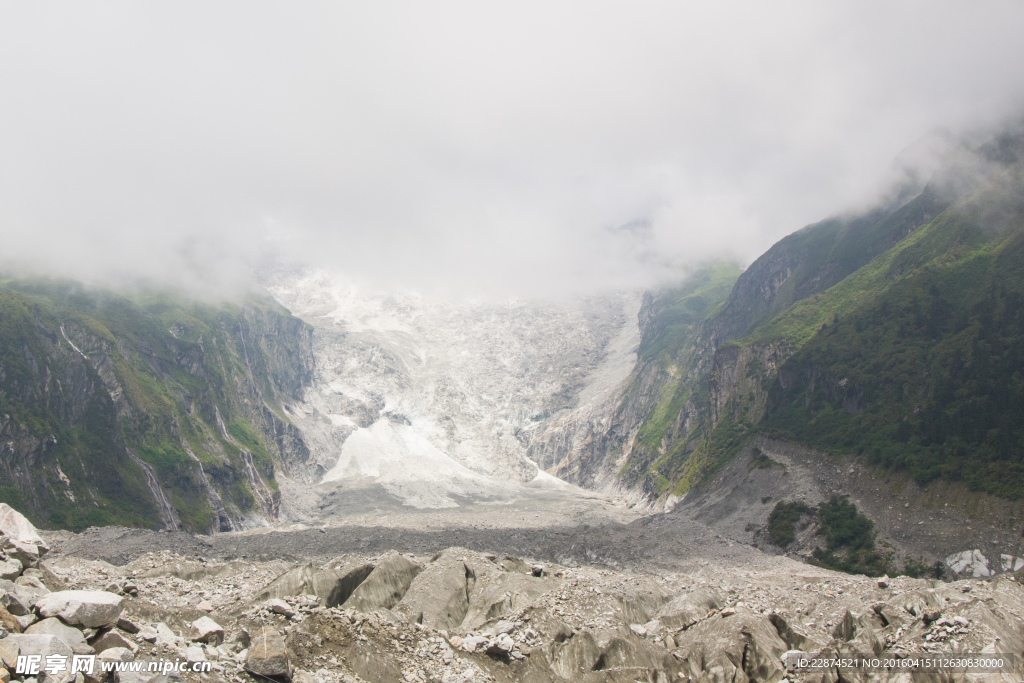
<point x="500" y="645"/>
<point x="71" y="636"/>
<point x="439" y="596"/>
<point x="9" y="651"/>
<point x="577" y="656"/>
<point x="743" y="645"/>
<point x="112" y="639"/>
<point x="8" y="621"/>
<point x="93" y="609"/>
<point x="794" y="635"/>
<point x="206" y="630"/>
<point x="498" y="593"/>
<point x="332" y="586"/>
<point x="386" y="585"/>
<point x="278" y="606"/>
<point x="689" y="608"/>
<point x="45" y="645"/>
<point x="20" y="539"/>
<point x="268" y="656"/>
<point x="117" y="654"/>
<point x="10" y="569"/>
<point x="16" y="599"/>
<point x="194" y="654"/>
<point x="472" y="643"/>
<point x="27" y="620"/>
<point x="127" y="625"/>
<point x="31" y="582"/>
<point x="165" y="637"/>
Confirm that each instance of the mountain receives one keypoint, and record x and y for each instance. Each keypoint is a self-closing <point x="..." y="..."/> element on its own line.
<point x="429" y="401"/>
<point x="892" y="334"/>
<point x="875" y="354"/>
<point x="148" y="410"/>
<point x="151" y="409"/>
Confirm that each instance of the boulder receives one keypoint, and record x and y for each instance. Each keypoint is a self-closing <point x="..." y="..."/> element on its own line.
<point x="45" y="645"/>
<point x="439" y="596"/>
<point x="17" y="599"/>
<point x="31" y="582"/>
<point x="576" y="656"/>
<point x="71" y="636"/>
<point x="8" y="621"/>
<point x="632" y="653"/>
<point x="689" y="608"/>
<point x="194" y="654"/>
<point x="18" y="538"/>
<point x="9" y="651"/>
<point x="500" y="646"/>
<point x="127" y="625"/>
<point x="10" y="569"/>
<point x="472" y="643"/>
<point x="92" y="609"/>
<point x="386" y="585"/>
<point x="278" y="606"/>
<point x="112" y="639"/>
<point x="117" y="654"/>
<point x="743" y="646"/>
<point x="268" y="656"/>
<point x="332" y="585"/>
<point x="206" y="630"/>
<point x="641" y="602"/>
<point x="794" y="635"/>
<point x="499" y="593"/>
<point x="27" y="621"/>
<point x="165" y="637"/>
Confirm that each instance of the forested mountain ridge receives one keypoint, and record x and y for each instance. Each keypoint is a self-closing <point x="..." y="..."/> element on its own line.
<point x="894" y="334"/>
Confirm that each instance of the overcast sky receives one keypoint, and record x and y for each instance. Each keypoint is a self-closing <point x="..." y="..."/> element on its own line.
<point x="510" y="148"/>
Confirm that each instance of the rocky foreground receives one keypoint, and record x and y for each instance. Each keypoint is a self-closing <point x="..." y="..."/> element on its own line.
<point x="464" y="615"/>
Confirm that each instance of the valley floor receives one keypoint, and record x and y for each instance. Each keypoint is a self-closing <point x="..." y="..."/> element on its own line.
<point x="480" y="593"/>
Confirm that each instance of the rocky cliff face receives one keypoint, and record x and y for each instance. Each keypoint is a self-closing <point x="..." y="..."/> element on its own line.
<point x="151" y="411"/>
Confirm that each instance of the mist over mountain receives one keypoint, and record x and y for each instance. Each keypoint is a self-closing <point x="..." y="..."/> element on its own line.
<point x="531" y="342"/>
<point x="466" y="150"/>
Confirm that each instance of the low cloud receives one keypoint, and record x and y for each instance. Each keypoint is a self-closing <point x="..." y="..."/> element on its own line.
<point x="529" y="149"/>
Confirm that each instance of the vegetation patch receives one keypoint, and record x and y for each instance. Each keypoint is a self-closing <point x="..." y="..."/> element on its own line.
<point x="782" y="521"/>
<point x="759" y="460"/>
<point x="850" y="540"/>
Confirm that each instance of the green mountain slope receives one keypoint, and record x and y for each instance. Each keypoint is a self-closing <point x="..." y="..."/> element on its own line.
<point x="895" y="334"/>
<point x="151" y="410"/>
<point x="926" y="374"/>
